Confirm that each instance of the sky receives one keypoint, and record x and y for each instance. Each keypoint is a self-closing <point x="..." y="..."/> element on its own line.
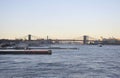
<point x="59" y="18"/>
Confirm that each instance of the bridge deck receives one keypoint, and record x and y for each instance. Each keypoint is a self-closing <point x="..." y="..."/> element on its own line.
<point x="68" y="40"/>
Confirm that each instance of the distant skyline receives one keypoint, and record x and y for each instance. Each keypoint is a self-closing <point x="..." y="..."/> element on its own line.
<point x="59" y="18"/>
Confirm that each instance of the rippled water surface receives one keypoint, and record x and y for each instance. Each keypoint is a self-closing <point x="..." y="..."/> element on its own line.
<point x="86" y="62"/>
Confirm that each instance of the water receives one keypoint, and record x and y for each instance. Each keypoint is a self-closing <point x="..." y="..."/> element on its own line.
<point x="85" y="62"/>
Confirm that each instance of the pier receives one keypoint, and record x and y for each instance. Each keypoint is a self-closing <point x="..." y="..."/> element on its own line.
<point x="43" y="52"/>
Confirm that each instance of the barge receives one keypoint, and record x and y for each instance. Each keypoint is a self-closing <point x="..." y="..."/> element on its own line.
<point x="47" y="52"/>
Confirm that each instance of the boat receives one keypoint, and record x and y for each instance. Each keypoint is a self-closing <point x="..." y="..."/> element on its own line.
<point x="100" y="45"/>
<point x="48" y="52"/>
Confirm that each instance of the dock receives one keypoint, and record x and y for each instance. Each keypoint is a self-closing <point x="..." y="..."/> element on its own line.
<point x="42" y="52"/>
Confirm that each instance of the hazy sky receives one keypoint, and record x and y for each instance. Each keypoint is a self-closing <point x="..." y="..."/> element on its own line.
<point x="59" y="18"/>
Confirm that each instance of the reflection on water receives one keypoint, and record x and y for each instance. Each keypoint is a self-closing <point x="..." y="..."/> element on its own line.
<point x="85" y="62"/>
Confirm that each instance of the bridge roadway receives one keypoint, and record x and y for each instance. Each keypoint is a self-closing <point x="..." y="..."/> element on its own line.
<point x="69" y="40"/>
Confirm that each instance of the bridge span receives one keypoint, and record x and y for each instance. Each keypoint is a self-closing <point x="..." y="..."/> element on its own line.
<point x="84" y="39"/>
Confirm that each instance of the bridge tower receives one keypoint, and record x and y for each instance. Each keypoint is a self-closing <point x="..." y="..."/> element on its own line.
<point x="85" y="39"/>
<point x="29" y="37"/>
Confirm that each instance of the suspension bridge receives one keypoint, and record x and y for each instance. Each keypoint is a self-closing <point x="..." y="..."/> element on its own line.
<point x="84" y="39"/>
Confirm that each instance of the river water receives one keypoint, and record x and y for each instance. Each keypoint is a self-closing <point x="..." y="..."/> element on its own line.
<point x="88" y="61"/>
